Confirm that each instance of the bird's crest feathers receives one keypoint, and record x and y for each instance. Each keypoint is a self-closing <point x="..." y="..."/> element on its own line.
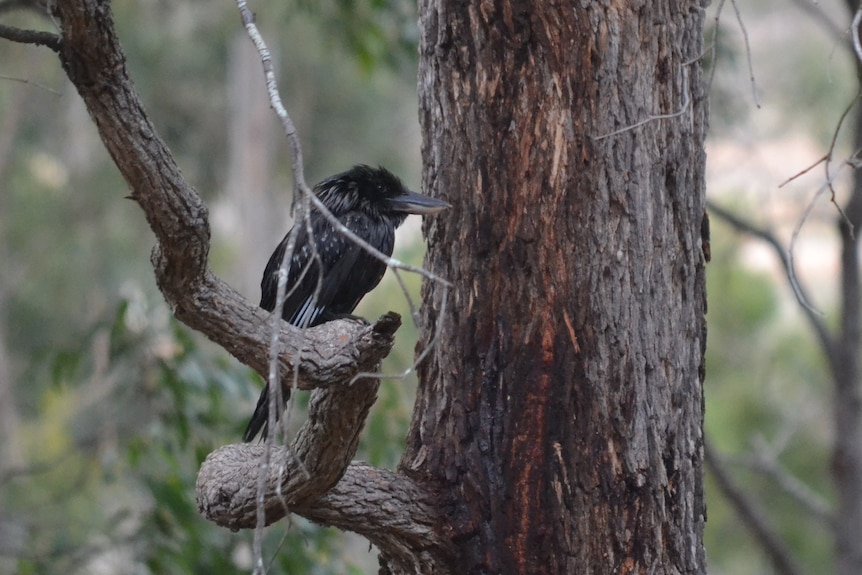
<point x="359" y="188"/>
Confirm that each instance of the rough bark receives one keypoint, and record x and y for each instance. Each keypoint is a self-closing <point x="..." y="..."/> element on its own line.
<point x="227" y="487"/>
<point x="560" y="417"/>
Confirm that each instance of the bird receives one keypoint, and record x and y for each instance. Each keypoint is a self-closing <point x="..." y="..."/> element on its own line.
<point x="328" y="274"/>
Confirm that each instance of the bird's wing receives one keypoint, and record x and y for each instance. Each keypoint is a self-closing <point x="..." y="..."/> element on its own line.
<point x="332" y="282"/>
<point x="269" y="281"/>
<point x="303" y="274"/>
<point x="349" y="272"/>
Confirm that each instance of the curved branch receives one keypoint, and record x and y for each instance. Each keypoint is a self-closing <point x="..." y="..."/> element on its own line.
<point x="752" y="515"/>
<point x="826" y="340"/>
<point x="297" y="476"/>
<point x="92" y="57"/>
<point x="393" y="512"/>
<point x="390" y="510"/>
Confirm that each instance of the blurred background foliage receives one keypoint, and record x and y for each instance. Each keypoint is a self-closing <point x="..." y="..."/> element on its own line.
<point x="108" y="406"/>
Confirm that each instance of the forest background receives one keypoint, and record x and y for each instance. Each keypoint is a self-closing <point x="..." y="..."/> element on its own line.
<point x="107" y="405"/>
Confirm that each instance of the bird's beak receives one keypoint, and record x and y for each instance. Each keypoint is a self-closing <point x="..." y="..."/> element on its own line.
<point x="413" y="203"/>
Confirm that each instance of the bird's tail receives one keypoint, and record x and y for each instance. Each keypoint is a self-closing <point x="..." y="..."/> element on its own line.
<point x="261" y="414"/>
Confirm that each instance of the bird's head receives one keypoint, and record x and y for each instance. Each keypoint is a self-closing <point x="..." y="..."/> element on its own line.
<point x="376" y="191"/>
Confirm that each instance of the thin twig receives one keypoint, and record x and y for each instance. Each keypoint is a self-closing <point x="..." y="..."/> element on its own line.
<point x="766" y="461"/>
<point x="829" y="155"/>
<point x="306" y="198"/>
<point x="747" y="53"/>
<point x="299" y="185"/>
<point x="414" y="313"/>
<point x="685" y="103"/>
<point x="791" y="252"/>
<point x="804" y="171"/>
<point x="854" y="31"/>
<point x="275" y="99"/>
<point x="419" y="359"/>
<point x="31" y="83"/>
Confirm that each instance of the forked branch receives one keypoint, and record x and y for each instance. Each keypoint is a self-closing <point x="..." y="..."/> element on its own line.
<point x="314" y="476"/>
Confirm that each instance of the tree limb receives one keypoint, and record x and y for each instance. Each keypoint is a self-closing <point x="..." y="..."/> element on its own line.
<point x="752" y="515"/>
<point x="824" y="337"/>
<point x="393" y="512"/>
<point x="296" y="477"/>
<point x="314" y="478"/>
<point x="389" y="509"/>
<point x="92" y="57"/>
<point x="22" y="36"/>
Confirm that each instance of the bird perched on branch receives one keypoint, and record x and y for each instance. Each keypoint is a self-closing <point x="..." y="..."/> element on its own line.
<point x="328" y="272"/>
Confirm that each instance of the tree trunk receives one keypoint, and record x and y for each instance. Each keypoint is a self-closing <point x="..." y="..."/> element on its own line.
<point x="847" y="396"/>
<point x="559" y="419"/>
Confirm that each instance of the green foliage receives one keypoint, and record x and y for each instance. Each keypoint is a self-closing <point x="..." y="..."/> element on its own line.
<point x="130" y="487"/>
<point x="376" y="32"/>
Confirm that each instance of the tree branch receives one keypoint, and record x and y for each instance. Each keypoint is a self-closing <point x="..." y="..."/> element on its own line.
<point x="22" y="36"/>
<point x="764" y="460"/>
<point x="389" y="509"/>
<point x="824" y="337"/>
<point x="393" y="512"/>
<point x="296" y="477"/>
<point x="92" y="57"/>
<point x="752" y="515"/>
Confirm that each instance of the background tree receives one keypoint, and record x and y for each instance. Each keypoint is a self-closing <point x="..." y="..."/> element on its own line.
<point x="818" y="471"/>
<point x="585" y="410"/>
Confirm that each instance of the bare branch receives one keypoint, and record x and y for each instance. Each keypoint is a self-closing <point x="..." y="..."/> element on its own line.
<point x="685" y="103"/>
<point x="327" y="441"/>
<point x="824" y="337"/>
<point x="815" y="10"/>
<point x="389" y="509"/>
<point x="36" y="37"/>
<point x="392" y="511"/>
<point x="765" y="461"/>
<point x="31" y="83"/>
<point x="752" y="515"/>
<point x="275" y="99"/>
<point x="804" y="171"/>
<point x="747" y="53"/>
<point x="854" y="30"/>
